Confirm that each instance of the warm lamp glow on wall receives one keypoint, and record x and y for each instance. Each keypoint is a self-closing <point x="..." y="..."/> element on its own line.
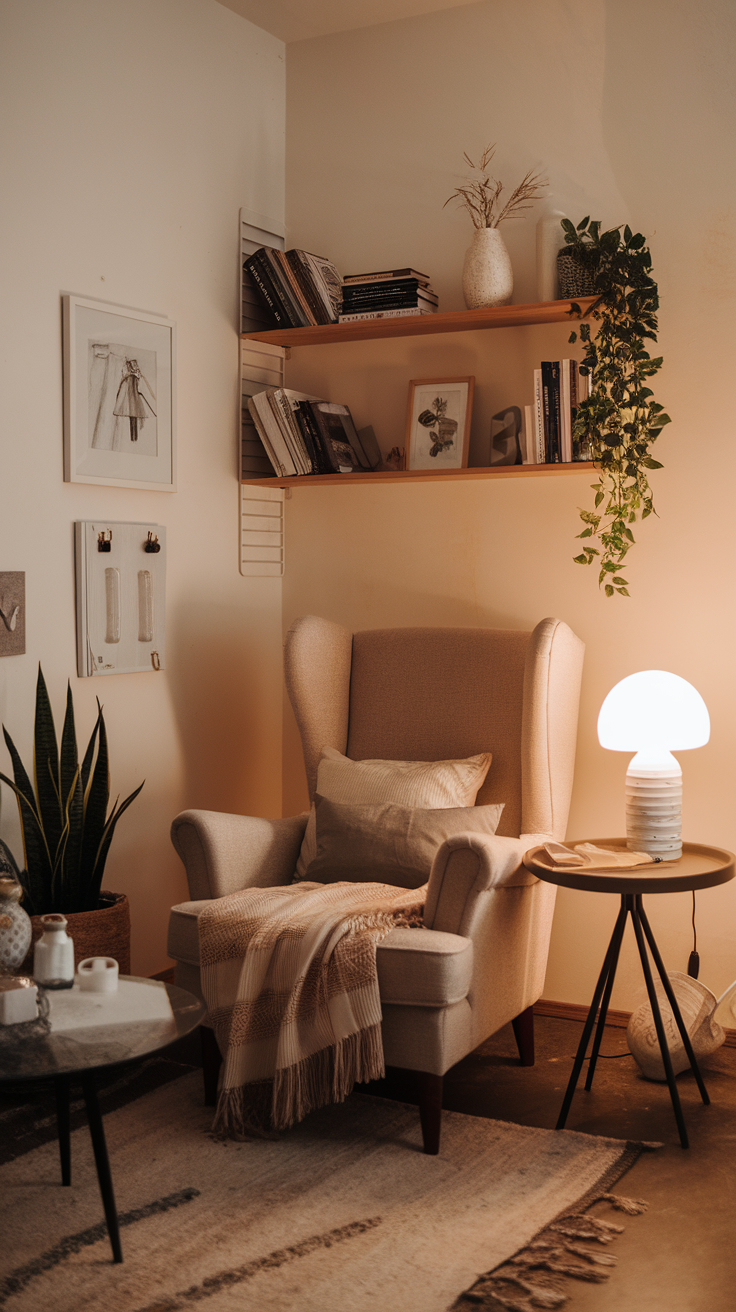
<point x="653" y="713"/>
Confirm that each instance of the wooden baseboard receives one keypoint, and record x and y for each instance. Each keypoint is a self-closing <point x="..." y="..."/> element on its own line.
<point x="578" y="1011"/>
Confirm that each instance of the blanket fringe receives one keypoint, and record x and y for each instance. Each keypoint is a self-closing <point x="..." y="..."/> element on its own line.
<point x="327" y="1076"/>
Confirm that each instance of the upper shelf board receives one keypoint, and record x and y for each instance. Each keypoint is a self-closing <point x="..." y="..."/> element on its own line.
<point x="426" y="325"/>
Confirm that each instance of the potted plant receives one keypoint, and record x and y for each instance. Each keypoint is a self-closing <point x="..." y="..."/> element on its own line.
<point x="487" y="275"/>
<point x="67" y="833"/>
<point x="620" y="420"/>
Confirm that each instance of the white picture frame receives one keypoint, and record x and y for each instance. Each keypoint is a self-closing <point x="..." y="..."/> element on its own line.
<point x="438" y="423"/>
<point x="119" y="396"/>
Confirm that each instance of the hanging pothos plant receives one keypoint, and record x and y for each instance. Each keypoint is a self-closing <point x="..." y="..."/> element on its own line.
<point x="620" y="420"/>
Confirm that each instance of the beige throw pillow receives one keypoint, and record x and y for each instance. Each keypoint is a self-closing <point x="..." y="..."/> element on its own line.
<point x="426" y="784"/>
<point x="388" y="844"/>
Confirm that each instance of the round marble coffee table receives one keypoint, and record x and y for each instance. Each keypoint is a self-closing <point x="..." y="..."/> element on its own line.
<point x="33" y="1052"/>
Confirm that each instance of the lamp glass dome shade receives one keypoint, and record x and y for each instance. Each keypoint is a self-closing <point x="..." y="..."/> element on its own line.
<point x="652" y="710"/>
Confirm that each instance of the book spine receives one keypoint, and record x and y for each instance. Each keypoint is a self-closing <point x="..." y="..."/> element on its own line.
<point x="388" y="285"/>
<point x="263" y="287"/>
<point x="539" y="433"/>
<point x="315" y="453"/>
<point x="390" y="275"/>
<point x="291" y="435"/>
<point x="278" y="468"/>
<point x="324" y="438"/>
<point x="387" y="303"/>
<point x="271" y="269"/>
<point x="310" y="320"/>
<point x="566" y="411"/>
<point x="326" y="280"/>
<point x="375" y="298"/>
<point x="312" y="297"/>
<point x="550" y="392"/>
<point x="307" y="421"/>
<point x="384" y="314"/>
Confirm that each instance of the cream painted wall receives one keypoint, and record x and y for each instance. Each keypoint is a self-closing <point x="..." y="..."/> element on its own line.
<point x="629" y="108"/>
<point x="131" y="137"/>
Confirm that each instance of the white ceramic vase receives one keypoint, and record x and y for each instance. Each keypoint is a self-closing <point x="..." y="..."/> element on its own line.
<point x="488" y="278"/>
<point x="53" y="954"/>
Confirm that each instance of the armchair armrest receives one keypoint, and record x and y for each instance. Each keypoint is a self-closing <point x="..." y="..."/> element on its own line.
<point x="469" y="865"/>
<point x="223" y="853"/>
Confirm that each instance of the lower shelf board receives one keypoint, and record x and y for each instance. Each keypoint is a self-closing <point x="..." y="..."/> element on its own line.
<point x="421" y="475"/>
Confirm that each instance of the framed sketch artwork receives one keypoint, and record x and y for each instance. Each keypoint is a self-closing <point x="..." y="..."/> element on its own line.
<point x="438" y="423"/>
<point x="119" y="396"/>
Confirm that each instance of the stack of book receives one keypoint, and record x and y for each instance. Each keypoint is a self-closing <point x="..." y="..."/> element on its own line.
<point x="305" y="435"/>
<point x="299" y="290"/>
<point x="559" y="388"/>
<point x="389" y="294"/>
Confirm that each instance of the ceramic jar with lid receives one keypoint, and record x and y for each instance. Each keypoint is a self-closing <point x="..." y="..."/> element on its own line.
<point x="53" y="954"/>
<point x="15" y="926"/>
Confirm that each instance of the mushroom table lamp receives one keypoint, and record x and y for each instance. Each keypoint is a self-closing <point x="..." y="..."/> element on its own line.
<point x="653" y="713"/>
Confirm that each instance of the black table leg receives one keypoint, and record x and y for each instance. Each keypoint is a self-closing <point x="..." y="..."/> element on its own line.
<point x="102" y="1163"/>
<point x="608" y="970"/>
<point x="654" y="1004"/>
<point x="667" y="986"/>
<point x="61" y="1088"/>
<point x="616" y="941"/>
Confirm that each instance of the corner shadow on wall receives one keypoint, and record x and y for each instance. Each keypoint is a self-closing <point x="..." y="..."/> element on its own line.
<point x="227" y="705"/>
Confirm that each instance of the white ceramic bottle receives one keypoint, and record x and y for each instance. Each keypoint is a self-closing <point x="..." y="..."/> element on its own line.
<point x="53" y="955"/>
<point x="550" y="239"/>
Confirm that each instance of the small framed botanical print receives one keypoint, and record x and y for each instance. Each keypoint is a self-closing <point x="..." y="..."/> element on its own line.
<point x="119" y="396"/>
<point x="438" y="423"/>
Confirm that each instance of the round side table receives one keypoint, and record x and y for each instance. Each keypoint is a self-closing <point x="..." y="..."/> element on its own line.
<point x="80" y="1053"/>
<point x="698" y="867"/>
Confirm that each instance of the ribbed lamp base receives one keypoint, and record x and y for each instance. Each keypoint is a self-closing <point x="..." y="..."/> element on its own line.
<point x="654" y="812"/>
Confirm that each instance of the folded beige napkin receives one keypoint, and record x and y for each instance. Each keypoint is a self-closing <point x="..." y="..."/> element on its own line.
<point x="586" y="856"/>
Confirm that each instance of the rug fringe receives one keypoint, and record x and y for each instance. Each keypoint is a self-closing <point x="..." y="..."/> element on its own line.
<point x="536" y="1276"/>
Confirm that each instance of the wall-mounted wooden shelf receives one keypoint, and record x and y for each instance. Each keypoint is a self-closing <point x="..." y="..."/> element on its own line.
<point x="427" y="325"/>
<point x="422" y="475"/>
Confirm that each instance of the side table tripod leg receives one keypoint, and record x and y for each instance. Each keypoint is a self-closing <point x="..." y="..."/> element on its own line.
<point x="667" y="986"/>
<point x="63" y="1127"/>
<point x="654" y="1004"/>
<point x="616" y="940"/>
<point x="590" y="1021"/>
<point x="102" y="1162"/>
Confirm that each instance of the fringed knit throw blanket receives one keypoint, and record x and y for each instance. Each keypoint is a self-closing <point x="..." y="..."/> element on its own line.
<point x="289" y="978"/>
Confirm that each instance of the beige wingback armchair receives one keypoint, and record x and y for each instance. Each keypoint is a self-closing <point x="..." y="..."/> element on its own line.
<point x="423" y="694"/>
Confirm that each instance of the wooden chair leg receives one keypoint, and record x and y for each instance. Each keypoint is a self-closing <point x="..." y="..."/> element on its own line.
<point x="524" y="1035"/>
<point x="211" y="1063"/>
<point x="430" y="1110"/>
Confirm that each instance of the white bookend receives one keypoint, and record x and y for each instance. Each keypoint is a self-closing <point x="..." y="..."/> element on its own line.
<point x="529" y="445"/>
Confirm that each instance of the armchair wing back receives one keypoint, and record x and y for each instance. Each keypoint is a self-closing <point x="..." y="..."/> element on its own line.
<point x="429" y="694"/>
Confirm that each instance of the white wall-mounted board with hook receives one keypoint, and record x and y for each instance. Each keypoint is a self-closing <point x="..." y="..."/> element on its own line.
<point x="121" y="597"/>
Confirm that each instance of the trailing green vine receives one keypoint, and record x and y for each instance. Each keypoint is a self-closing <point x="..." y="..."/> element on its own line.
<point x="618" y="423"/>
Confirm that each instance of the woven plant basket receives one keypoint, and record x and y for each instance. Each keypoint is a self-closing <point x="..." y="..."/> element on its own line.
<point x="574" y="277"/>
<point x="101" y="933"/>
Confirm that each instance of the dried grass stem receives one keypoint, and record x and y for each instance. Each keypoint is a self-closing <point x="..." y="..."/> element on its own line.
<point x="481" y="196"/>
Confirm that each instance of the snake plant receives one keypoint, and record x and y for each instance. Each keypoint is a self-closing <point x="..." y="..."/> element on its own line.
<point x="67" y="830"/>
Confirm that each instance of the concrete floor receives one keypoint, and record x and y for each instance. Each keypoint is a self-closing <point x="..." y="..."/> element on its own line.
<point x="679" y="1256"/>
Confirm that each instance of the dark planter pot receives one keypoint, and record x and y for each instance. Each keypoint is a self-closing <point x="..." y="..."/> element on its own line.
<point x="101" y="933"/>
<point x="573" y="276"/>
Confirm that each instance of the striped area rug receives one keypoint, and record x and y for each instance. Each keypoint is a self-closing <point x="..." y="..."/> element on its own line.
<point x="343" y="1212"/>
